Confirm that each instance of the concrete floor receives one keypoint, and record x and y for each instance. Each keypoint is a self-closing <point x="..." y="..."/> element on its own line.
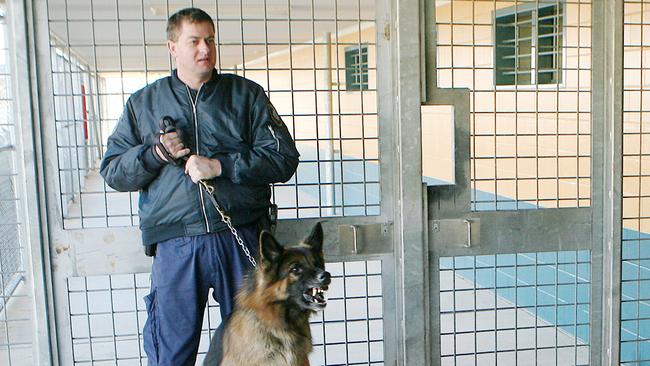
<point x="17" y="329"/>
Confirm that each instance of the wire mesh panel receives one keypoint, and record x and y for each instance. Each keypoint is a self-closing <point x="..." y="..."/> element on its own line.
<point x="315" y="59"/>
<point x="515" y="309"/>
<point x="527" y="65"/>
<point x="16" y="303"/>
<point x="635" y="272"/>
<point x="107" y="314"/>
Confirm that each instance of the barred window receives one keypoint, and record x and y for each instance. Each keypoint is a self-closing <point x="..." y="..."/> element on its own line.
<point x="528" y="45"/>
<point x="356" y="67"/>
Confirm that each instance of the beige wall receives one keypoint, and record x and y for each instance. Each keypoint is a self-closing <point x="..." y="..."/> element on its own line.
<point x="353" y="112"/>
<point x="530" y="142"/>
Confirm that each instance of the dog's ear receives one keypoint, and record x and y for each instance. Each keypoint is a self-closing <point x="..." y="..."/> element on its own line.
<point x="269" y="247"/>
<point x="315" y="239"/>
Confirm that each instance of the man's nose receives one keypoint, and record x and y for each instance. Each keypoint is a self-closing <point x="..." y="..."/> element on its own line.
<point x="204" y="46"/>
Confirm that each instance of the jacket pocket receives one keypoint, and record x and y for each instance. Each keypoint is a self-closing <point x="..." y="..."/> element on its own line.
<point x="150" y="331"/>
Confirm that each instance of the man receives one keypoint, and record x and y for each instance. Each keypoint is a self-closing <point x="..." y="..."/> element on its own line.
<point x="234" y="138"/>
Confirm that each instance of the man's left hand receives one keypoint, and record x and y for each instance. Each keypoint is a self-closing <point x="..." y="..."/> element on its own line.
<point x="200" y="167"/>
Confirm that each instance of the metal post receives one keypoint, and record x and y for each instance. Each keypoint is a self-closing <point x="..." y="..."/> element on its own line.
<point x="608" y="21"/>
<point x="410" y="248"/>
<point x="35" y="233"/>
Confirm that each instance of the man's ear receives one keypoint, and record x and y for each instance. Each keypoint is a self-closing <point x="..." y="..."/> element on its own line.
<point x="315" y="238"/>
<point x="269" y="247"/>
<point x="171" y="46"/>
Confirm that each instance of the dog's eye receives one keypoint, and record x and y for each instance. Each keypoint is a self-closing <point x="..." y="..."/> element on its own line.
<point x="296" y="269"/>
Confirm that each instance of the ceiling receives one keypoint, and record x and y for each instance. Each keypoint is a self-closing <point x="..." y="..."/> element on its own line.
<point x="143" y="23"/>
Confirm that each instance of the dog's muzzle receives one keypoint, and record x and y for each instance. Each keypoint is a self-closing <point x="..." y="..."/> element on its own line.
<point x="316" y="295"/>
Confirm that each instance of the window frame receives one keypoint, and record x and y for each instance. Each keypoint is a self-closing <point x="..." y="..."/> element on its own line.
<point x="534" y="9"/>
<point x="363" y="83"/>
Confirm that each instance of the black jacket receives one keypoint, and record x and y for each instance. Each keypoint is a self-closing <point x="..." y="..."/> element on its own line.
<point x="236" y="124"/>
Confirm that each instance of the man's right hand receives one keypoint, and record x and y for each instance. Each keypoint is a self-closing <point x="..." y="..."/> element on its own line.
<point x="174" y="146"/>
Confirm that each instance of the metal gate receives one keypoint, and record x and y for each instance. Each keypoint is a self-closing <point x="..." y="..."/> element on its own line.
<point x="516" y="254"/>
<point x="329" y="68"/>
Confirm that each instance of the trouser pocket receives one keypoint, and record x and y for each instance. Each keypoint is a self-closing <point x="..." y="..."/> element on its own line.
<point x="150" y="331"/>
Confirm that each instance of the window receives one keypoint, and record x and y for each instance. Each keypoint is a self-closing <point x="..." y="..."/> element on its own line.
<point x="356" y="67"/>
<point x="528" y="45"/>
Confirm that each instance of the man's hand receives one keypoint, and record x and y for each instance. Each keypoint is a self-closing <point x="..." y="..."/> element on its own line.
<point x="200" y="167"/>
<point x="174" y="146"/>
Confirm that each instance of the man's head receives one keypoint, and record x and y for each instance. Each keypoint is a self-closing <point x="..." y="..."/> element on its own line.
<point x="191" y="41"/>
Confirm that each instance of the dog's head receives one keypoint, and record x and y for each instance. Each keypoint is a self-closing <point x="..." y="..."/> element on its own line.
<point x="296" y="273"/>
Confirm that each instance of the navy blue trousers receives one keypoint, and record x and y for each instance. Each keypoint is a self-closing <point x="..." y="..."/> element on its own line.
<point x="184" y="269"/>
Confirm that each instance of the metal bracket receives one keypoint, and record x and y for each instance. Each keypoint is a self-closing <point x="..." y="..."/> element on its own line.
<point x="365" y="238"/>
<point x="455" y="233"/>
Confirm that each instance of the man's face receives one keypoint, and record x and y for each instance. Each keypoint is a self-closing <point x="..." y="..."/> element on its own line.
<point x="194" y="50"/>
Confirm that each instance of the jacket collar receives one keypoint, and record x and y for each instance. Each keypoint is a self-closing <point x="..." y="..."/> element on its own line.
<point x="208" y="85"/>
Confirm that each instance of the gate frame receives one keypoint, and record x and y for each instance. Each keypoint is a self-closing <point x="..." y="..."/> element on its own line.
<point x="32" y="190"/>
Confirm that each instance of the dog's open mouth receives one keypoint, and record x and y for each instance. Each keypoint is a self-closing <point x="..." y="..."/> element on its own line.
<point x="316" y="296"/>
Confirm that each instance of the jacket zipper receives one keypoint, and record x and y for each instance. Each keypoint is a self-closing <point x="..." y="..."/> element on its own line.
<point x="196" y="133"/>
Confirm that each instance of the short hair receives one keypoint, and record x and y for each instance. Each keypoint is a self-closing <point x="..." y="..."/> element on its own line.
<point x="191" y="15"/>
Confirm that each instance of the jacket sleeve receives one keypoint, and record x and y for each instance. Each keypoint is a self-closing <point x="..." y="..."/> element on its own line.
<point x="272" y="157"/>
<point x="128" y="164"/>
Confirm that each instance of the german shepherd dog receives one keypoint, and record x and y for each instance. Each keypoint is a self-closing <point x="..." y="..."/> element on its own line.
<point x="270" y="323"/>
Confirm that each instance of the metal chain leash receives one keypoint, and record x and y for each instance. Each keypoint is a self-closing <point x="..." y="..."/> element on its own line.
<point x="226" y="219"/>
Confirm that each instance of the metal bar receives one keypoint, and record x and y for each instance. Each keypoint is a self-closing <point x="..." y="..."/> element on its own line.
<point x="338" y="96"/>
<point x="218" y="31"/>
<point x="21" y="22"/>
<point x="74" y="114"/>
<point x="112" y="301"/>
<point x="87" y="316"/>
<point x="557" y="123"/>
<point x="361" y="91"/>
<point x="94" y="66"/>
<point x="137" y="317"/>
<point x="410" y="249"/>
<point x="387" y="113"/>
<point x="316" y="107"/>
<point x="241" y="30"/>
<point x="293" y="101"/>
<point x="523" y="231"/>
<point x="575" y="312"/>
<point x="557" y="302"/>
<point x="608" y="28"/>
